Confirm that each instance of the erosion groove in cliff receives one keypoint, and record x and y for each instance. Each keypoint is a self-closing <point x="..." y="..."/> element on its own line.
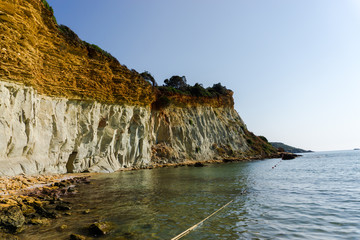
<point x="197" y="133"/>
<point x="42" y="134"/>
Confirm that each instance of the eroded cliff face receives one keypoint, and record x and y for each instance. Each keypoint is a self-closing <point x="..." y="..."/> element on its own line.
<point x="55" y="135"/>
<point x="197" y="133"/>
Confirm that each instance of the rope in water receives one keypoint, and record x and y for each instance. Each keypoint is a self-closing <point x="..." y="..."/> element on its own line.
<point x="186" y="232"/>
<point x="276" y="164"/>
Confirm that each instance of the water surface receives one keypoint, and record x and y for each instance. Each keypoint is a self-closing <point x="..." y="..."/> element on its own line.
<point x="316" y="196"/>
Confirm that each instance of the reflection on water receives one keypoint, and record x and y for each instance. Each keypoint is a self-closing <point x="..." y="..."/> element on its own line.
<point x="313" y="197"/>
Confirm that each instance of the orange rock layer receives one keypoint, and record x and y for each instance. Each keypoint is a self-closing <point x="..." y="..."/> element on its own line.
<point x="34" y="52"/>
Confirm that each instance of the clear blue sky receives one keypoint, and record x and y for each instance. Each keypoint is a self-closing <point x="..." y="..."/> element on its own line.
<point x="294" y="65"/>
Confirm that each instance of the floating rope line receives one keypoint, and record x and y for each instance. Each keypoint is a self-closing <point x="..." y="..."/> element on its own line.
<point x="276" y="164"/>
<point x="186" y="232"/>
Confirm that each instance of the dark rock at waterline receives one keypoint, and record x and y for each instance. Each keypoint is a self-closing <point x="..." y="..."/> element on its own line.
<point x="11" y="218"/>
<point x="147" y="226"/>
<point x="128" y="236"/>
<point x="87" y="211"/>
<point x="100" y="228"/>
<point x="6" y="236"/>
<point x="62" y="207"/>
<point x="288" y="156"/>
<point x="199" y="164"/>
<point x="39" y="221"/>
<point x="59" y="184"/>
<point x="77" y="237"/>
<point x="227" y="160"/>
<point x="46" y="213"/>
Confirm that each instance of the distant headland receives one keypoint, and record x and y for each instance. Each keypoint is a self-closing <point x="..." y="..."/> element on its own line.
<point x="287" y="148"/>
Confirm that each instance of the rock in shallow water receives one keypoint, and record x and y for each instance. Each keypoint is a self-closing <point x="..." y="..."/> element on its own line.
<point x="100" y="228"/>
<point x="199" y="164"/>
<point x="77" y="237"/>
<point x="11" y="218"/>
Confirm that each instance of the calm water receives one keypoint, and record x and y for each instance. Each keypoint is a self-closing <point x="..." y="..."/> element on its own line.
<point x="316" y="196"/>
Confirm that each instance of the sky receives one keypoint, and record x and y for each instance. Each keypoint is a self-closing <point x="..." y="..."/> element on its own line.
<point x="294" y="66"/>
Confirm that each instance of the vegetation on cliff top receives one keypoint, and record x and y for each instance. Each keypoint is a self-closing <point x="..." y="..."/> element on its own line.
<point x="177" y="91"/>
<point x="71" y="36"/>
<point x="178" y="85"/>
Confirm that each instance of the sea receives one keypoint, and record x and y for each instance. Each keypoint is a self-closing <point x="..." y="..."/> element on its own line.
<point x="315" y="196"/>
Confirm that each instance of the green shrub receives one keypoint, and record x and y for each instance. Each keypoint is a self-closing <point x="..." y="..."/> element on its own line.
<point x="69" y="34"/>
<point x="148" y="77"/>
<point x="263" y="138"/>
<point x="176" y="82"/>
<point x="48" y="7"/>
<point x="221" y="151"/>
<point x="162" y="102"/>
<point x="46" y="4"/>
<point x="96" y="48"/>
<point x="171" y="90"/>
<point x="220" y="89"/>
<point x="178" y="85"/>
<point x="198" y="91"/>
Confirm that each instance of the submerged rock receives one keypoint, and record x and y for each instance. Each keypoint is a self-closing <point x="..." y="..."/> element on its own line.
<point x="199" y="164"/>
<point x="6" y="236"/>
<point x="40" y="221"/>
<point x="77" y="237"/>
<point x="63" y="207"/>
<point x="36" y="206"/>
<point x="62" y="227"/>
<point x="100" y="228"/>
<point x="87" y="211"/>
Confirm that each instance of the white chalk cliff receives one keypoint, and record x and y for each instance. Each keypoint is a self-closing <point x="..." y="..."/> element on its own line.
<point x="41" y="134"/>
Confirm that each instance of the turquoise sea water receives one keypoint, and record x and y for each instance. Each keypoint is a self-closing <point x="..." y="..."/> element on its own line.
<point x="316" y="196"/>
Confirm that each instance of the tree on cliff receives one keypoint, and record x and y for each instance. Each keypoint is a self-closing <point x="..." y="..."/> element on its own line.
<point x="176" y="82"/>
<point x="218" y="88"/>
<point x="148" y="77"/>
